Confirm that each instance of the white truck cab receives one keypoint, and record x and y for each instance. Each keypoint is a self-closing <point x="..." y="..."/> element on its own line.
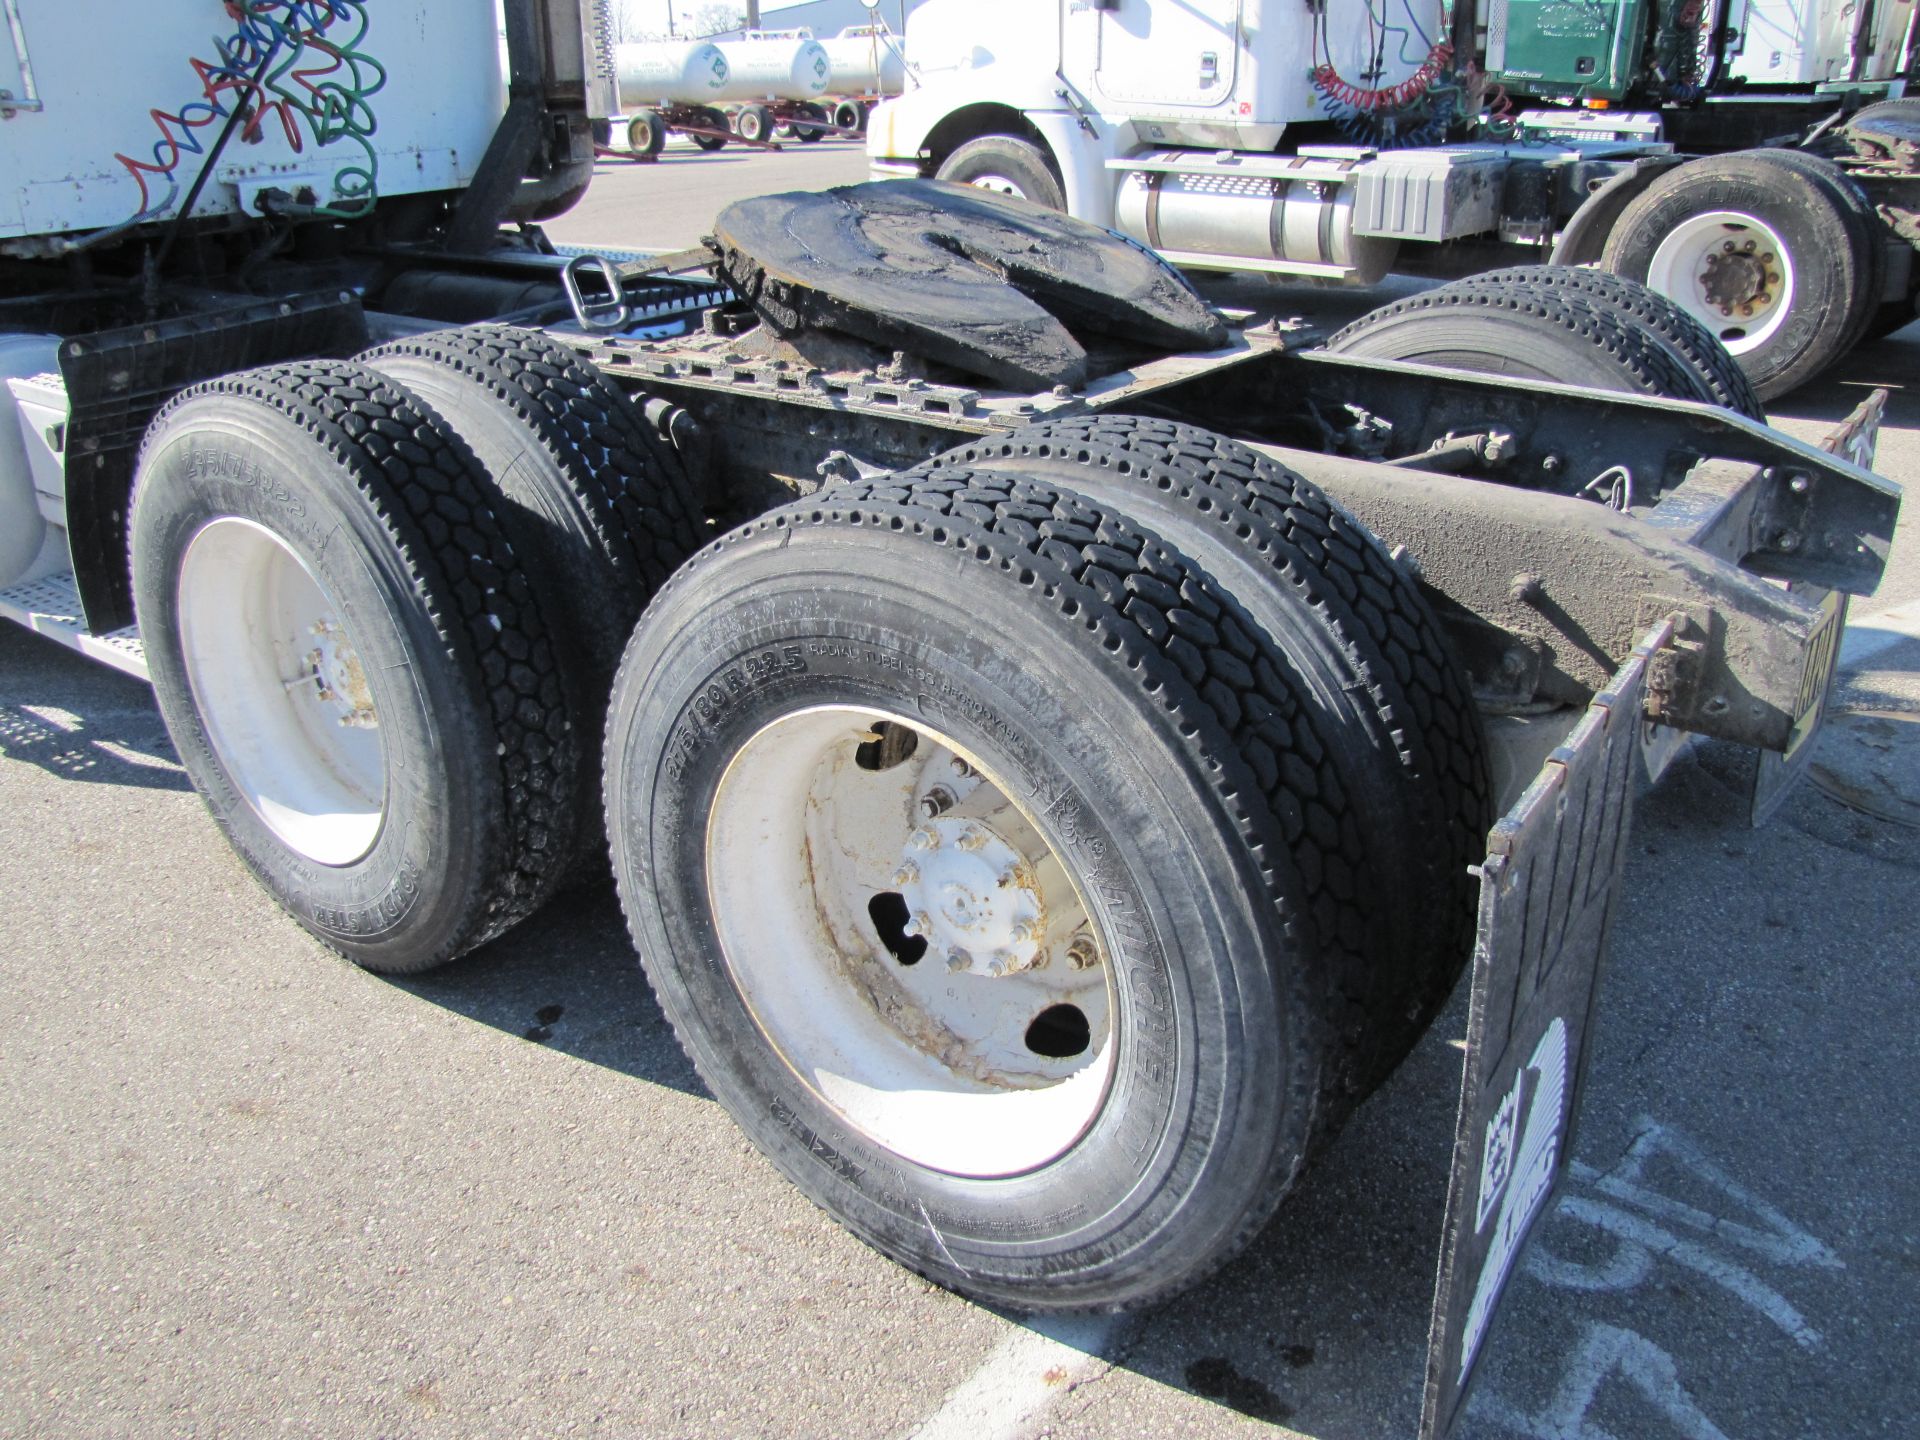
<point x="1312" y="141"/>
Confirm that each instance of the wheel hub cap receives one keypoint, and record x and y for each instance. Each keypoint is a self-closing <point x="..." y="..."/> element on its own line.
<point x="973" y="897"/>
<point x="338" y="678"/>
<point x="1739" y="278"/>
<point x="1732" y="272"/>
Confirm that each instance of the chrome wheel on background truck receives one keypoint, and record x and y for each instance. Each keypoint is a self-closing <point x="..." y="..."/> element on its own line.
<point x="1774" y="251"/>
<point x="1007" y="166"/>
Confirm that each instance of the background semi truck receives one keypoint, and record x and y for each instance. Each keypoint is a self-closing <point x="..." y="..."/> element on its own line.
<point x="1058" y="744"/>
<point x="1749" y="159"/>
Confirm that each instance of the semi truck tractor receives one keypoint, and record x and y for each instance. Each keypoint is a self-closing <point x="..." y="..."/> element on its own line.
<point x="1057" y="744"/>
<point x="1752" y="161"/>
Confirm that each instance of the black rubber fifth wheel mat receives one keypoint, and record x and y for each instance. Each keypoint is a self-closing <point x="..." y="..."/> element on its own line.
<point x="955" y="274"/>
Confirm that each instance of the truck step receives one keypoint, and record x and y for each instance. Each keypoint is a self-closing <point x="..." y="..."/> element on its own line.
<point x="50" y="606"/>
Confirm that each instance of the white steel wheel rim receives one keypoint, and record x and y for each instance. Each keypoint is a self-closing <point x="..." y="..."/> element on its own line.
<point x="1683" y="264"/>
<point x="282" y="691"/>
<point x="931" y="1058"/>
<point x="999" y="184"/>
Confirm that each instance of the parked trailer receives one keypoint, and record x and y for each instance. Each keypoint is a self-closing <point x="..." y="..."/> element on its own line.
<point x="1052" y="728"/>
<point x="869" y="64"/>
<point x="743" y="89"/>
<point x="778" y="79"/>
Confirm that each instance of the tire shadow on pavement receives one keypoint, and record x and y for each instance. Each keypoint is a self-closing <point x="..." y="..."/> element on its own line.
<point x="567" y="979"/>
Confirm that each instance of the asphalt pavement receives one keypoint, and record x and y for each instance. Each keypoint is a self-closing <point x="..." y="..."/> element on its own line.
<point x="246" y="1188"/>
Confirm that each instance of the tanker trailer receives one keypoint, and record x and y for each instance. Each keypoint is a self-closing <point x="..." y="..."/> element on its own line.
<point x="669" y="85"/>
<point x="868" y="66"/>
<point x="776" y="79"/>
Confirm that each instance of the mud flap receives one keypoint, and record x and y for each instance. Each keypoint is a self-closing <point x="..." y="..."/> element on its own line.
<point x="1547" y="892"/>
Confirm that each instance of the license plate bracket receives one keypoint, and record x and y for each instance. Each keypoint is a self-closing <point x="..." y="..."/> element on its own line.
<point x="1774" y="775"/>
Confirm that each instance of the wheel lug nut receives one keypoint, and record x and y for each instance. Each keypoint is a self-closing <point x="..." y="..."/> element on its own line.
<point x="958" y="960"/>
<point x="936" y="802"/>
<point x="906" y="874"/>
<point x="972" y="838"/>
<point x="1082" y="953"/>
<point x="1008" y="878"/>
<point x="918" y="924"/>
<point x="1022" y="933"/>
<point x="960" y="768"/>
<point x="924" y="839"/>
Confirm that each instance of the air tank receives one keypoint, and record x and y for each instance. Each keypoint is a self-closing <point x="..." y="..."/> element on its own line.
<point x="771" y="67"/>
<point x="865" y="61"/>
<point x="670" y="72"/>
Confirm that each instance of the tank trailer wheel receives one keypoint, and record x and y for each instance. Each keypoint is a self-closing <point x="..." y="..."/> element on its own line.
<point x="358" y="677"/>
<point x="930" y="821"/>
<point x="1006" y="166"/>
<point x="753" y="123"/>
<point x="646" y="134"/>
<point x="811" y="134"/>
<point x="715" y="121"/>
<point x="850" y="117"/>
<point x="1765" y="249"/>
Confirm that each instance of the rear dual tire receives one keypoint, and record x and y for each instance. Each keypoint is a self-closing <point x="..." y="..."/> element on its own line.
<point x="1110" y="701"/>
<point x="934" y="604"/>
<point x="381" y="627"/>
<point x="1715" y="375"/>
<point x="358" y="678"/>
<point x="1544" y="323"/>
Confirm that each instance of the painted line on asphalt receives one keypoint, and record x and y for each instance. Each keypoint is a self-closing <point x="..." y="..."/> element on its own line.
<point x="1022" y="1378"/>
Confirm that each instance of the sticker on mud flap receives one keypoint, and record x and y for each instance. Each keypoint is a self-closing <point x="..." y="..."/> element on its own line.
<point x="1516" y="1174"/>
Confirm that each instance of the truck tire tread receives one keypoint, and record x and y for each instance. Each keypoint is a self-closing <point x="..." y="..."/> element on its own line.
<point x="635" y="514"/>
<point x="1424" y="717"/>
<point x="424" y="486"/>
<point x="1696" y="346"/>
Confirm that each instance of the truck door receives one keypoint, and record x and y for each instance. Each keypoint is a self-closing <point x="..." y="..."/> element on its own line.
<point x="1156" y="55"/>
